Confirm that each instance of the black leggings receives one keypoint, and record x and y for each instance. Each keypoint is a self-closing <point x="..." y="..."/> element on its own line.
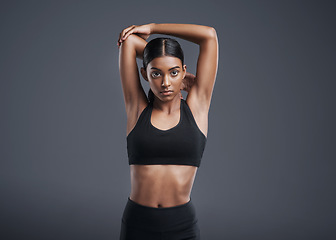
<point x="141" y="222"/>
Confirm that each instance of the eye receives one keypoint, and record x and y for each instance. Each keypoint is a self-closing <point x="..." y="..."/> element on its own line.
<point x="175" y="73"/>
<point x="155" y="74"/>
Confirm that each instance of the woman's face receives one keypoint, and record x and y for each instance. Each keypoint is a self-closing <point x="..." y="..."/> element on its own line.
<point x="165" y="73"/>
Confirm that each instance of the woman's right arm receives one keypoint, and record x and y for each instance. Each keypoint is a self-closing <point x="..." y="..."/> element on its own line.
<point x="134" y="96"/>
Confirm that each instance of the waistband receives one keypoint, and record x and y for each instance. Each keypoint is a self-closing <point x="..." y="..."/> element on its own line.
<point x="162" y="208"/>
<point x="159" y="219"/>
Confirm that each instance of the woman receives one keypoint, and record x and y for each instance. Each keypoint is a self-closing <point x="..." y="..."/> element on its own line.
<point x="166" y="134"/>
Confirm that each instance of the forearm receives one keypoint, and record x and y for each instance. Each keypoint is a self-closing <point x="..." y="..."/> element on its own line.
<point x="139" y="46"/>
<point x="190" y="32"/>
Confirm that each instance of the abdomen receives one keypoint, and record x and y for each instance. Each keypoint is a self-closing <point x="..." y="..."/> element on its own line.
<point x="161" y="185"/>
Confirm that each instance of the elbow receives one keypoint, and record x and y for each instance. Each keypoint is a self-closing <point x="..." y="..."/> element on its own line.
<point x="129" y="40"/>
<point x="212" y="33"/>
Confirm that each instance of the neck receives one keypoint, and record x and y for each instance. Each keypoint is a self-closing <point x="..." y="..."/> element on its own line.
<point x="167" y="106"/>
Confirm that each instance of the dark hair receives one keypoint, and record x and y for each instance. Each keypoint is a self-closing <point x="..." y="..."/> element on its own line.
<point x="159" y="47"/>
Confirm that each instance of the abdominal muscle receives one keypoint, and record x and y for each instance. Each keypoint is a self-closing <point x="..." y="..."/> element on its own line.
<point x="161" y="185"/>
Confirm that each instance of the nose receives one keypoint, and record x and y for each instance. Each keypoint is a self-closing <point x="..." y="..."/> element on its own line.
<point x="165" y="82"/>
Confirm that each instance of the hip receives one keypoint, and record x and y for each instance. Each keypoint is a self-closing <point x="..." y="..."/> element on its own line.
<point x="162" y="219"/>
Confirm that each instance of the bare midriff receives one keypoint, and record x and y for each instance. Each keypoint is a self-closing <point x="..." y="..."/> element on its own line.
<point x="161" y="186"/>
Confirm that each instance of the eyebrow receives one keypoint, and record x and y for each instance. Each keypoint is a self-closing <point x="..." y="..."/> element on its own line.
<point x="168" y="69"/>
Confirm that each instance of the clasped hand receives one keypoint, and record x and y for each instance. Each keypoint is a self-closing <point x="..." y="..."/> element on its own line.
<point x="143" y="31"/>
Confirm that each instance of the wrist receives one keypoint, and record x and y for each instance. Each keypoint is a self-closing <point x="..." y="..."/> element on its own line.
<point x="152" y="28"/>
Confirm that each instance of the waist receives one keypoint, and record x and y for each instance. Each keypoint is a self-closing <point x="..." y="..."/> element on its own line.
<point x="161" y="185"/>
<point x="159" y="219"/>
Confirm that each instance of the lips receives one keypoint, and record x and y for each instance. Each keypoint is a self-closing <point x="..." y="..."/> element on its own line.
<point x="166" y="92"/>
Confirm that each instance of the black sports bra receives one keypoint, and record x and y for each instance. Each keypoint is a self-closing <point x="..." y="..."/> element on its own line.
<point x="182" y="144"/>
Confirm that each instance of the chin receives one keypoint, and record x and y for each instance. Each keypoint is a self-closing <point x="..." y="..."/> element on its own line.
<point x="169" y="98"/>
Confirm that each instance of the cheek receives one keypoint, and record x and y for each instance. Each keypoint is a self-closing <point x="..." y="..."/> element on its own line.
<point x="179" y="80"/>
<point x="155" y="84"/>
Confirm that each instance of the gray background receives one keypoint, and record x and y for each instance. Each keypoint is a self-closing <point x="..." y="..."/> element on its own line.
<point x="268" y="170"/>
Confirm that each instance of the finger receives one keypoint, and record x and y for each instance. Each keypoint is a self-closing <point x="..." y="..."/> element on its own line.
<point x="120" y="40"/>
<point x="123" y="38"/>
<point x="128" y="33"/>
<point x="126" y="30"/>
<point x="122" y="33"/>
<point x="120" y="36"/>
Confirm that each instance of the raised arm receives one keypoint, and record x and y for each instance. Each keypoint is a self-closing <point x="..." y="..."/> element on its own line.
<point x="134" y="95"/>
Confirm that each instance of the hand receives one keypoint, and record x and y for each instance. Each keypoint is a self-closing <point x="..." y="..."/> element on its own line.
<point x="188" y="81"/>
<point x="143" y="31"/>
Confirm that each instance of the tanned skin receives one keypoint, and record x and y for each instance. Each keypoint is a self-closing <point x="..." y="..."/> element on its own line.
<point x="166" y="185"/>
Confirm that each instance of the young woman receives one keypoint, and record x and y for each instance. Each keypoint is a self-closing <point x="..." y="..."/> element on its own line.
<point x="166" y="135"/>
